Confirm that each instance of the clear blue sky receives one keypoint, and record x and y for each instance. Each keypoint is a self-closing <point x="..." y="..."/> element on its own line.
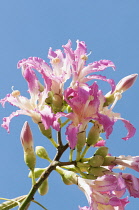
<point x="28" y="28"/>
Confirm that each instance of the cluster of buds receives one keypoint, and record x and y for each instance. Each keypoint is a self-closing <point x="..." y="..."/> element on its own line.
<point x="80" y="104"/>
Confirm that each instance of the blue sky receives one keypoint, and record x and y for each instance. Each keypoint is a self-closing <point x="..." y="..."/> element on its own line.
<point x="28" y="28"/>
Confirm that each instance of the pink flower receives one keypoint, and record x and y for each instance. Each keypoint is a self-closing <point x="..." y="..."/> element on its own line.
<point x="33" y="107"/>
<point x="78" y="59"/>
<point x="104" y="193"/>
<point x="132" y="184"/>
<point x="129" y="161"/>
<point x="85" y="104"/>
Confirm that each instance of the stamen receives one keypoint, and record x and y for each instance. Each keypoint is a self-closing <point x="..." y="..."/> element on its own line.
<point x="55" y="60"/>
<point x="15" y="93"/>
<point x="84" y="57"/>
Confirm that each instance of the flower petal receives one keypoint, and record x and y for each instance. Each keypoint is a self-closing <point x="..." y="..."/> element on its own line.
<point x="71" y="133"/>
<point x="131" y="129"/>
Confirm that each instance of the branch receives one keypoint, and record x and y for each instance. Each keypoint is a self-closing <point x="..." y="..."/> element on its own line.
<point x="45" y="174"/>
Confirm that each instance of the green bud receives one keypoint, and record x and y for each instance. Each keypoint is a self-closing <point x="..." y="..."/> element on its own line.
<point x="94" y="133"/>
<point x="28" y="148"/>
<point x="100" y="171"/>
<point x="57" y="102"/>
<point x="49" y="99"/>
<point x="96" y="161"/>
<point x="81" y="139"/>
<point x="90" y="176"/>
<point x="47" y="133"/>
<point x="65" y="180"/>
<point x="42" y="153"/>
<point x="37" y="172"/>
<point x="108" y="161"/>
<point x="102" y="151"/>
<point x="43" y="189"/>
<point x="30" y="159"/>
<point x="83" y="166"/>
<point x="68" y="177"/>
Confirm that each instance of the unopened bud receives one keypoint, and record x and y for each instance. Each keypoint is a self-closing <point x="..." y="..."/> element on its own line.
<point x="102" y="151"/>
<point x="47" y="133"/>
<point x="81" y="139"/>
<point x="83" y="166"/>
<point x="27" y="143"/>
<point x="43" y="189"/>
<point x="90" y="176"/>
<point x="57" y="103"/>
<point x="96" y="161"/>
<point x="37" y="172"/>
<point x="68" y="177"/>
<point x="94" y="133"/>
<point x="109" y="161"/>
<point x="100" y="171"/>
<point x="125" y="83"/>
<point x="42" y="153"/>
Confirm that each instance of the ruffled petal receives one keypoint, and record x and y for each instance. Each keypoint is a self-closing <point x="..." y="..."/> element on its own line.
<point x="7" y="120"/>
<point x="71" y="133"/>
<point x="49" y="119"/>
<point x="131" y="129"/>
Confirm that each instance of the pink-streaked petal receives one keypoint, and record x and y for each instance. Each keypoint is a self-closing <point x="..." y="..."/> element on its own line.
<point x="7" y="120"/>
<point x="114" y="201"/>
<point x="131" y="129"/>
<point x="132" y="184"/>
<point x="4" y="100"/>
<point x="107" y="123"/>
<point x="68" y="51"/>
<point x="100" y="77"/>
<point x="33" y="85"/>
<point x="49" y="119"/>
<point x="98" y="66"/>
<point x="71" y="133"/>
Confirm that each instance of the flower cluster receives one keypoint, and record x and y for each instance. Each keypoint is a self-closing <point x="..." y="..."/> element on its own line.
<point x="79" y="104"/>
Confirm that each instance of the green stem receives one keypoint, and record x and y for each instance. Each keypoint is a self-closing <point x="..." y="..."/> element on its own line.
<point x="85" y="151"/>
<point x="71" y="155"/>
<point x="45" y="174"/>
<point x="78" y="157"/>
<point x="53" y="142"/>
<point x="33" y="177"/>
<point x="39" y="204"/>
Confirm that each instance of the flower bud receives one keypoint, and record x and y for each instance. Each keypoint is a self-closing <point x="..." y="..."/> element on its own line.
<point x="93" y="136"/>
<point x="27" y="143"/>
<point x="47" y="133"/>
<point x="96" y="161"/>
<point x="109" y="161"/>
<point x="102" y="151"/>
<point x="43" y="189"/>
<point x="125" y="83"/>
<point x="68" y="177"/>
<point x="81" y="139"/>
<point x="99" y="171"/>
<point x="37" y="172"/>
<point x="83" y="166"/>
<point x="42" y="153"/>
<point x="90" y="176"/>
<point x="57" y="103"/>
